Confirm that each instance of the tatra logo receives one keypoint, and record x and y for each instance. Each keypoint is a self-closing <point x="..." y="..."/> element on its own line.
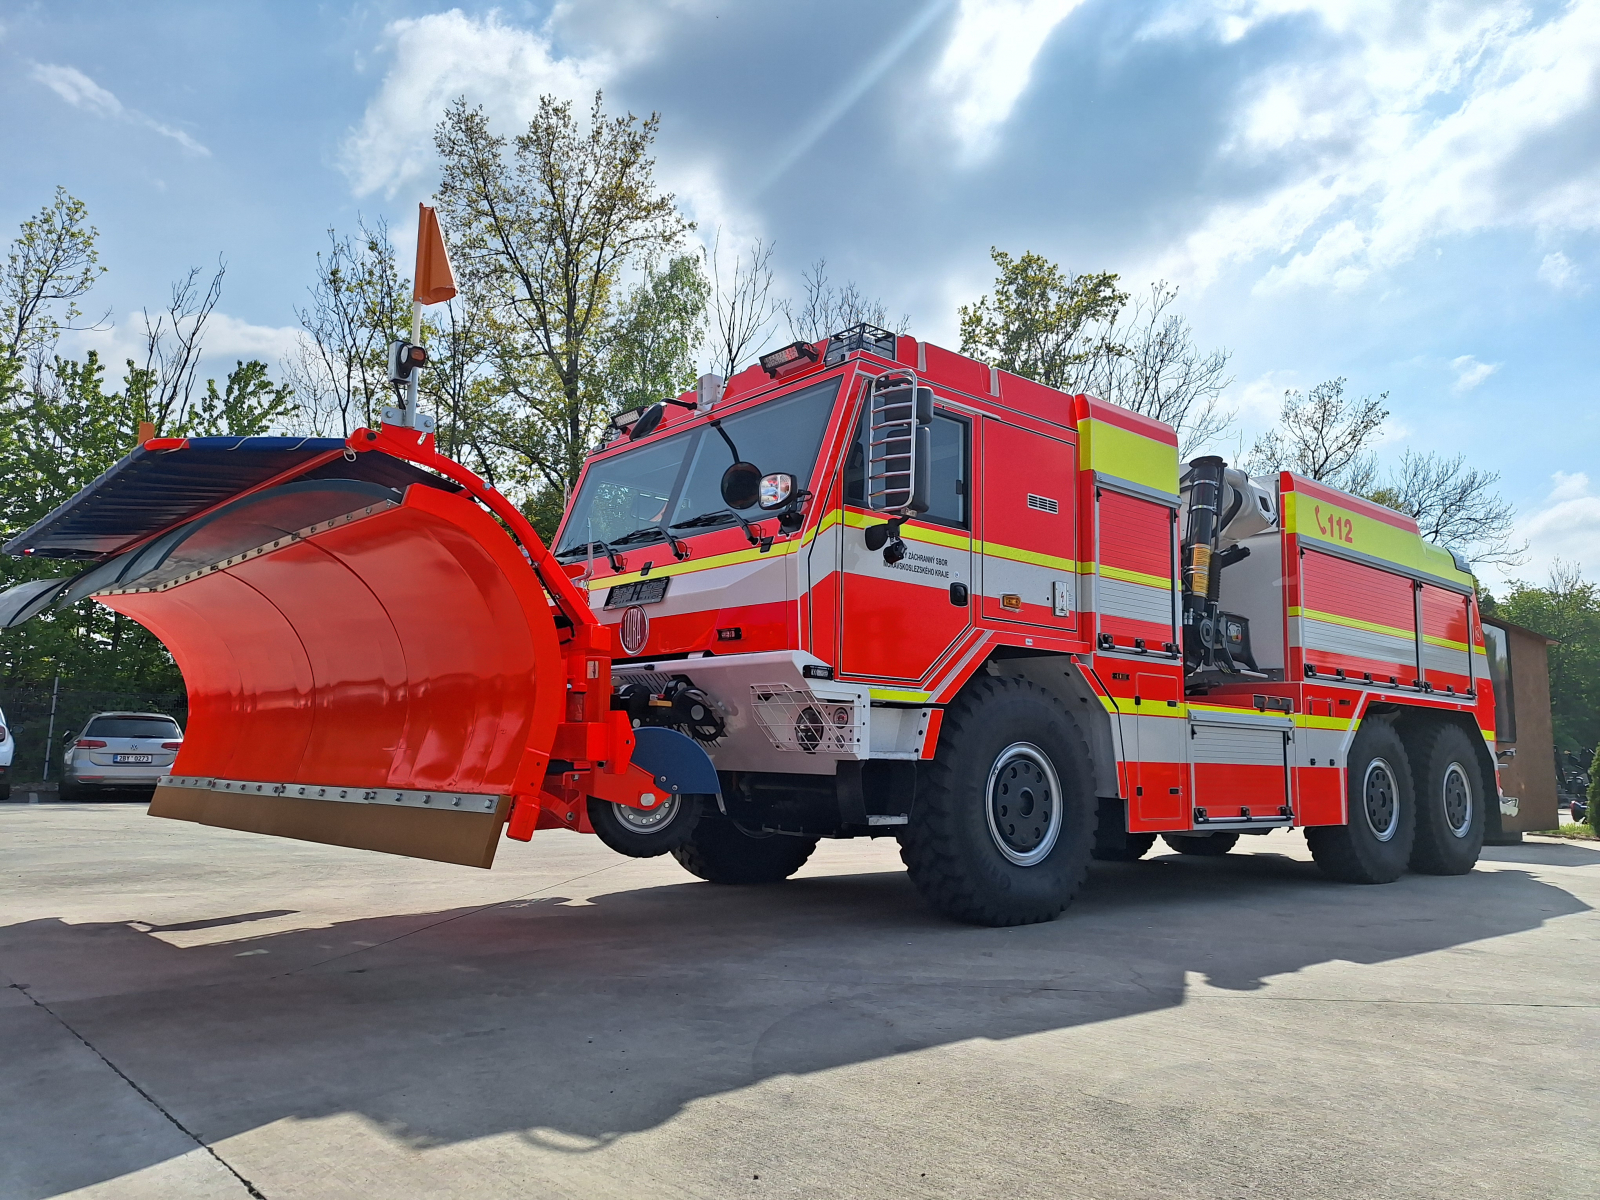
<point x="635" y="629"/>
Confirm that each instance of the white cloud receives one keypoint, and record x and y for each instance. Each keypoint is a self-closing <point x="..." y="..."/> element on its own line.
<point x="988" y="62"/>
<point x="440" y="57"/>
<point x="227" y="340"/>
<point x="1413" y="123"/>
<point x="434" y="59"/>
<point x="78" y="90"/>
<point x="1560" y="272"/>
<point x="1470" y="372"/>
<point x="1565" y="526"/>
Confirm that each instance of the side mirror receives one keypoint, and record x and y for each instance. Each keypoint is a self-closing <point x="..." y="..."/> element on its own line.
<point x="741" y="486"/>
<point x="776" y="490"/>
<point x="647" y="423"/>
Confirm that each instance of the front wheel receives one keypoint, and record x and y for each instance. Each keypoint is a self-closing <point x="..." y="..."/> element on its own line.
<point x="645" y="833"/>
<point x="1374" y="843"/>
<point x="1003" y="830"/>
<point x="719" y="851"/>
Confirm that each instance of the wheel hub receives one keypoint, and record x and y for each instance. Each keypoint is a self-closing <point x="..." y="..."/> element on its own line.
<point x="1457" y="796"/>
<point x="1023" y="804"/>
<point x="1381" y="799"/>
<point x="641" y="820"/>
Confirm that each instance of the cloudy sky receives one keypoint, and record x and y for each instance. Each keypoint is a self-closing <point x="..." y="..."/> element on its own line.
<point x="1406" y="194"/>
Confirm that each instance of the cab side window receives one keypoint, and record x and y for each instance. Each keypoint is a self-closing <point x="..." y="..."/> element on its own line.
<point x="947" y="481"/>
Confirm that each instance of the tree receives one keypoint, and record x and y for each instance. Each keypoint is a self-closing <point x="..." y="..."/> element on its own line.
<point x="1454" y="505"/>
<point x="1324" y="436"/>
<point x="826" y="309"/>
<point x="51" y="265"/>
<point x="1042" y="323"/>
<point x="1568" y="610"/>
<point x="655" y="334"/>
<point x="742" y="305"/>
<point x="544" y="238"/>
<point x="1147" y="362"/>
<point x="359" y="304"/>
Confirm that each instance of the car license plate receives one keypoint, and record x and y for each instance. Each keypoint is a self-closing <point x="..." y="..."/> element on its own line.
<point x="132" y="758"/>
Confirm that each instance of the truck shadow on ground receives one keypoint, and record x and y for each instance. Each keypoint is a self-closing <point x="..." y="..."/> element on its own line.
<point x="574" y="1022"/>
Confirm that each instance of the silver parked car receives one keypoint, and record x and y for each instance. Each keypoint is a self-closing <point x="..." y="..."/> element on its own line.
<point x="119" y="752"/>
<point x="8" y="747"/>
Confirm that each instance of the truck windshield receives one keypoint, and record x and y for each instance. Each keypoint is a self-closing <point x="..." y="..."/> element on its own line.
<point x="677" y="482"/>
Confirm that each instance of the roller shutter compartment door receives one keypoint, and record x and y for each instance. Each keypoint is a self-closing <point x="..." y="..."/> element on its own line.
<point x="1135" y="573"/>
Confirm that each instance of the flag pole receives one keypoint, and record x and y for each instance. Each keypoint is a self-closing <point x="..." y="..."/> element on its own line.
<point x="411" y="385"/>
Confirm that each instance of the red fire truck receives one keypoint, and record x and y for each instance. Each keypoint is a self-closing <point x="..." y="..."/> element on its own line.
<point x="868" y="587"/>
<point x="894" y="590"/>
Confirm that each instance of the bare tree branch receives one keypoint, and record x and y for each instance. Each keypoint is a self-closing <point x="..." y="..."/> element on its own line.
<point x="742" y="308"/>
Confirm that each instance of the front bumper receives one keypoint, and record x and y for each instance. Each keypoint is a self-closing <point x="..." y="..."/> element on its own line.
<point x="779" y="719"/>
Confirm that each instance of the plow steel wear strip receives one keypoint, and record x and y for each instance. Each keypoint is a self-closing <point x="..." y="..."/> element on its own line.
<point x="466" y="802"/>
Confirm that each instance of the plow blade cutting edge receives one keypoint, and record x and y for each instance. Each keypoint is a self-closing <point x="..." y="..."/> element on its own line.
<point x="371" y="660"/>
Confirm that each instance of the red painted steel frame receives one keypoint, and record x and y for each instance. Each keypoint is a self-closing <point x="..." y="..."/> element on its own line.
<point x="596" y="743"/>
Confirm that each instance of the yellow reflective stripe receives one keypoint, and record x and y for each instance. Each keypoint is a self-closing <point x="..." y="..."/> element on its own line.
<point x="1351" y="623"/>
<point x="1309" y="517"/>
<point x="901" y="694"/>
<point x="1311" y="721"/>
<point x="689" y="566"/>
<point x="1446" y="643"/>
<point x="1125" y="454"/>
<point x="829" y="520"/>
<point x="1138" y="577"/>
<point x="996" y="550"/>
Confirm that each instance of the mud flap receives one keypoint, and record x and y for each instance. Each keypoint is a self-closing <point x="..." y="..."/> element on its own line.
<point x="677" y="761"/>
<point x="374" y="679"/>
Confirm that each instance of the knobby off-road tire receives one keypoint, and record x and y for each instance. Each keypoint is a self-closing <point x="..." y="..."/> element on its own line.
<point x="718" y="851"/>
<point x="1374" y="844"/>
<point x="1452" y="800"/>
<point x="641" y="833"/>
<point x="1209" y="845"/>
<point x="1006" y="812"/>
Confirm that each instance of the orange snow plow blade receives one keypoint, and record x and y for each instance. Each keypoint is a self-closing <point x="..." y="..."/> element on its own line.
<point x="371" y="660"/>
<point x="370" y="684"/>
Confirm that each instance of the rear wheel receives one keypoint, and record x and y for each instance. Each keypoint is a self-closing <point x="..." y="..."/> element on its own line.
<point x="71" y="790"/>
<point x="718" y="851"/>
<point x="1209" y="844"/>
<point x="1002" y="832"/>
<point x="1374" y="844"/>
<point x="641" y="832"/>
<point x="1451" y="801"/>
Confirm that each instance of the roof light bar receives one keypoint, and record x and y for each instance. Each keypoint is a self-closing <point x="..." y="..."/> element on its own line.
<point x="788" y="357"/>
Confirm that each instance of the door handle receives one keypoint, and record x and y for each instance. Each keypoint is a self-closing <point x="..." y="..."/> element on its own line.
<point x="958" y="594"/>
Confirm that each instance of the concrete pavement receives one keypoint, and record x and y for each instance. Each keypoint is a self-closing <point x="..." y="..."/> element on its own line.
<point x="199" y="1012"/>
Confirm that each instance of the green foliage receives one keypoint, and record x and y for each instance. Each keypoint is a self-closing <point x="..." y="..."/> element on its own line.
<point x="60" y="428"/>
<point x="51" y="265"/>
<point x="249" y="405"/>
<point x="655" y="333"/>
<point x="543" y="229"/>
<point x="1567" y="609"/>
<point x="1041" y="322"/>
<point x="1593" y="794"/>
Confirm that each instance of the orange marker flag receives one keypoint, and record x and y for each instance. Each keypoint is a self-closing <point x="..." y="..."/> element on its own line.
<point x="436" y="282"/>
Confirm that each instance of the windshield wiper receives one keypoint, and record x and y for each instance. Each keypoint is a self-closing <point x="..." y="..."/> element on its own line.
<point x="717" y="517"/>
<point x="612" y="556"/>
<point x="680" y="548"/>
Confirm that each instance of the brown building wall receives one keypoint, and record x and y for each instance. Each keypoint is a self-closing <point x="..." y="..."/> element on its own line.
<point x="1531" y="774"/>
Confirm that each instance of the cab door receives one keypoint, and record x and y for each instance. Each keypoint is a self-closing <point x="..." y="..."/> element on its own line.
<point x="898" y="619"/>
